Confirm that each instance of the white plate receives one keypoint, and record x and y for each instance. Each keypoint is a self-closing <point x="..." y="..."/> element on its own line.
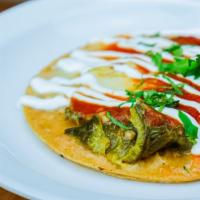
<point x="33" y="34"/>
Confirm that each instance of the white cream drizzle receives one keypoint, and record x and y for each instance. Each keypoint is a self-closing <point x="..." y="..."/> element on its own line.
<point x="70" y="65"/>
<point x="87" y="80"/>
<point x="139" y="62"/>
<point x="107" y="103"/>
<point x="107" y="54"/>
<point x="142" y="57"/>
<point x="186" y="86"/>
<point x="158" y="44"/>
<point x="42" y="86"/>
<point x="44" y="104"/>
<point x="86" y="87"/>
<point x="154" y="43"/>
<point x="138" y="43"/>
<point x="88" y="59"/>
<point x="192" y="78"/>
<point x="190" y="51"/>
<point x="84" y="79"/>
<point x="84" y="56"/>
<point x="91" y="93"/>
<point x="127" y="70"/>
<point x="188" y="103"/>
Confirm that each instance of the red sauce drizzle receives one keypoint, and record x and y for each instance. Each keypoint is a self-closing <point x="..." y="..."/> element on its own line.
<point x="153" y="83"/>
<point x="121" y="114"/>
<point x="86" y="108"/>
<point x="116" y="97"/>
<point x="186" y="40"/>
<point x="191" y="111"/>
<point x="115" y="47"/>
<point x="190" y="96"/>
<point x="160" y="86"/>
<point x="185" y="80"/>
<point x="142" y="69"/>
<point x="165" y="60"/>
<point x="155" y="118"/>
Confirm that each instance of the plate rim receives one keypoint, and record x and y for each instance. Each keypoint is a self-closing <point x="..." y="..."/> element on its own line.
<point x="11" y="184"/>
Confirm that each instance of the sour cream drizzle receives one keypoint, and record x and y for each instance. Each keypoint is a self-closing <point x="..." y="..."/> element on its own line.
<point x="86" y="88"/>
<point x="44" y="104"/>
<point x="89" y="81"/>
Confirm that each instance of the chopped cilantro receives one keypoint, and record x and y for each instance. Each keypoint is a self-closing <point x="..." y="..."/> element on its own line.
<point x="152" y="98"/>
<point x="158" y="34"/>
<point x="116" y="122"/>
<point x="176" y="87"/>
<point x="147" y="44"/>
<point x="191" y="130"/>
<point x="181" y="65"/>
<point x="175" y="49"/>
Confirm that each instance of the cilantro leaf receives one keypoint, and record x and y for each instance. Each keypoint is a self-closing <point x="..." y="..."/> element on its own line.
<point x="181" y="65"/>
<point x="147" y="44"/>
<point x="116" y="122"/>
<point x="191" y="130"/>
<point x="152" y="98"/>
<point x="154" y="35"/>
<point x="175" y="49"/>
<point x="156" y="58"/>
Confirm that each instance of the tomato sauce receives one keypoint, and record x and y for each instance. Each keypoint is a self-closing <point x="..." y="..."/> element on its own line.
<point x="86" y="108"/>
<point x="190" y="96"/>
<point x="154" y="84"/>
<point x="146" y="84"/>
<point x="115" y="47"/>
<point x="165" y="60"/>
<point x="142" y="69"/>
<point x="191" y="111"/>
<point x="116" y="97"/>
<point x="190" y="40"/>
<point x="160" y="86"/>
<point x="185" y="80"/>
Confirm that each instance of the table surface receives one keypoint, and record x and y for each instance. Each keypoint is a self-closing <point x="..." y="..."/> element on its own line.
<point x="5" y="195"/>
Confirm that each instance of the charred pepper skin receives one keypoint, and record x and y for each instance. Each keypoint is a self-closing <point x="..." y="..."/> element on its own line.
<point x="151" y="131"/>
<point x="92" y="134"/>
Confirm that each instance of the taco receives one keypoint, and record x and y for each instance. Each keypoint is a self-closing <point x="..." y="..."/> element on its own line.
<point x="128" y="106"/>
